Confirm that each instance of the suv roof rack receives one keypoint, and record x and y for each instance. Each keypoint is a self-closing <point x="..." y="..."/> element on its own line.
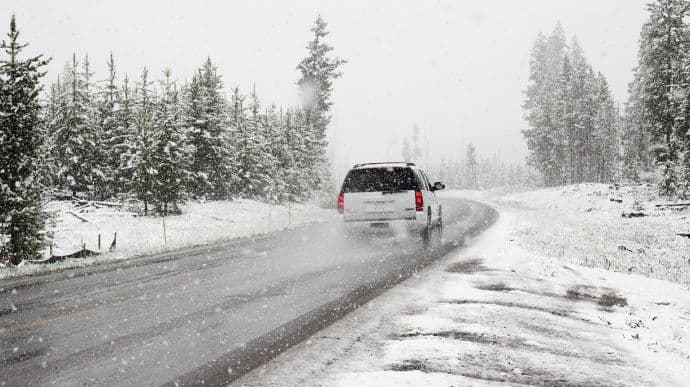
<point x="386" y="162"/>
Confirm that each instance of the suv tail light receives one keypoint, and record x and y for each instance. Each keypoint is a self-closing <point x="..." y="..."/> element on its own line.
<point x="341" y="203"/>
<point x="419" y="200"/>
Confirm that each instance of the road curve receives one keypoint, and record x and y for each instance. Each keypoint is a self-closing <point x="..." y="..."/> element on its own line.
<point x="207" y="314"/>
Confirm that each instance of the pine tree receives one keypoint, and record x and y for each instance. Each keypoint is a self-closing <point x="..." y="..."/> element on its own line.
<point x="121" y="144"/>
<point x="290" y="151"/>
<point x="605" y="138"/>
<point x="207" y="123"/>
<point x="141" y="163"/>
<point x="272" y="151"/>
<point x="51" y="119"/>
<point x="246" y="147"/>
<point x="109" y="141"/>
<point x="302" y="153"/>
<point x="294" y="158"/>
<point x="22" y="221"/>
<point x="95" y="158"/>
<point x="664" y="44"/>
<point x="276" y="119"/>
<point x="192" y="113"/>
<point x="73" y="135"/>
<point x="318" y="70"/>
<point x="566" y="131"/>
<point x="170" y="157"/>
<point x="635" y="139"/>
<point x="258" y="161"/>
<point x="542" y="136"/>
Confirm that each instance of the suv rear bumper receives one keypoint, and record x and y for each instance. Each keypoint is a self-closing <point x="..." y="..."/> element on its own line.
<point x="378" y="219"/>
<point x="413" y="224"/>
<point x="409" y="214"/>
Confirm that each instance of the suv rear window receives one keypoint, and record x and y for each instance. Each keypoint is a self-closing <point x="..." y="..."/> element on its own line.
<point x="379" y="180"/>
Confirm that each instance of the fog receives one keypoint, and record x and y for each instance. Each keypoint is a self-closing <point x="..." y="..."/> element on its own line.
<point x="456" y="69"/>
<point x="152" y="234"/>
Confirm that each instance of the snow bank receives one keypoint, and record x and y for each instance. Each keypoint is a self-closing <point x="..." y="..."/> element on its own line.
<point x="200" y="223"/>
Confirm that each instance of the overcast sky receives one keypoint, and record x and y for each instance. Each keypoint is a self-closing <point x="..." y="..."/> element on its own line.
<point x="455" y="68"/>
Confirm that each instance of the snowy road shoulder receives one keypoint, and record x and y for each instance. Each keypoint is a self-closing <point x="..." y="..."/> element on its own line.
<point x="496" y="313"/>
<point x="200" y="223"/>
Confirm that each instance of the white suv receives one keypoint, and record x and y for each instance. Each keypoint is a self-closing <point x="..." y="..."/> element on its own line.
<point x="383" y="195"/>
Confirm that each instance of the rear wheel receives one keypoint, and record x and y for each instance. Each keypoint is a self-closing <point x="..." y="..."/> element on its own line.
<point x="438" y="232"/>
<point x="427" y="231"/>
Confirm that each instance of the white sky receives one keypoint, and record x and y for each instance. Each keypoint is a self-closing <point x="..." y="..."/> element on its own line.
<point x="457" y="68"/>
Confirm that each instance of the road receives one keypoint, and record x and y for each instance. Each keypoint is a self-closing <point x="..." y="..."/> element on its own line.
<point x="206" y="314"/>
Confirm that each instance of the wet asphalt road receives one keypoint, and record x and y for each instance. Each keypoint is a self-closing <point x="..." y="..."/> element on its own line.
<point x="205" y="314"/>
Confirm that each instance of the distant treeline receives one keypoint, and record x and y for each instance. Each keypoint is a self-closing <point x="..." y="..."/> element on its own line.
<point x="467" y="170"/>
<point x="480" y="173"/>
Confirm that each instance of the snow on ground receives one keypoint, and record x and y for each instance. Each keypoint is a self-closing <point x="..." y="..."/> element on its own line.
<point x="499" y="313"/>
<point x="581" y="224"/>
<point x="200" y="223"/>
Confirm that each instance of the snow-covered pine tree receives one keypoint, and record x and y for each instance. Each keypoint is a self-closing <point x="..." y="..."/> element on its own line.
<point x="208" y="133"/>
<point x="577" y="133"/>
<point x="108" y="142"/>
<point x="170" y="157"/>
<point x="95" y="159"/>
<point x="317" y="72"/>
<point x="293" y="158"/>
<point x="565" y="133"/>
<point x="682" y="129"/>
<point x="301" y="149"/>
<point x="74" y="134"/>
<point x="605" y="136"/>
<point x="245" y="129"/>
<point x="192" y="113"/>
<point x="23" y="219"/>
<point x="273" y="150"/>
<point x="664" y="47"/>
<point x="215" y="124"/>
<point x="540" y="106"/>
<point x="141" y="163"/>
<point x="257" y="171"/>
<point x="50" y="118"/>
<point x="556" y="51"/>
<point x="590" y="132"/>
<point x="121" y="145"/>
<point x="289" y="147"/>
<point x="635" y="141"/>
